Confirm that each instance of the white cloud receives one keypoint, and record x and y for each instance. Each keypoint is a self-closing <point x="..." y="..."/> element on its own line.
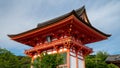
<point x="20" y="15"/>
<point x="106" y="16"/>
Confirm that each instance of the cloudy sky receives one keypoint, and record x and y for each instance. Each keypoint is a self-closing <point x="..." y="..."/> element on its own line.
<point x="17" y="16"/>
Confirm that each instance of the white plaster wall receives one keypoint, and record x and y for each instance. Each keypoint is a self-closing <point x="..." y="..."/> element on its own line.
<point x="72" y="62"/>
<point x="80" y="63"/>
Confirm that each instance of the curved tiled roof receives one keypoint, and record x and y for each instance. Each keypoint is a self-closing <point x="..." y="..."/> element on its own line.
<point x="113" y="58"/>
<point x="77" y="13"/>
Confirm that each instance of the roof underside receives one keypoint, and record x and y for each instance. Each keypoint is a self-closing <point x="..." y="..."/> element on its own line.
<point x="79" y="13"/>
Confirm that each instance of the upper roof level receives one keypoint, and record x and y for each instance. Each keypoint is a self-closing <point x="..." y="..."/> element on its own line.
<point x="79" y="16"/>
<point x="80" y="13"/>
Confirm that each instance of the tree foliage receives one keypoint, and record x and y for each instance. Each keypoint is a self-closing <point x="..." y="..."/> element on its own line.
<point x="98" y="61"/>
<point x="112" y="66"/>
<point x="9" y="60"/>
<point x="48" y="61"/>
<point x="24" y="61"/>
<point x="102" y="55"/>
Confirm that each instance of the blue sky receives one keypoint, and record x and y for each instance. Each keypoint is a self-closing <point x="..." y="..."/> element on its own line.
<point x="17" y="16"/>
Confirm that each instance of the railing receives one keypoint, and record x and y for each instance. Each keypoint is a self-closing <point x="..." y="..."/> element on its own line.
<point x="49" y="45"/>
<point x="57" y="42"/>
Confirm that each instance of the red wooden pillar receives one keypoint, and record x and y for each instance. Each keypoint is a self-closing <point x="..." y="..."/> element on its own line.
<point x="68" y="58"/>
<point x="32" y="61"/>
<point x="76" y="59"/>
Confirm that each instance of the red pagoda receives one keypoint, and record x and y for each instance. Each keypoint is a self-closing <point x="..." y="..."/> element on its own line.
<point x="68" y="34"/>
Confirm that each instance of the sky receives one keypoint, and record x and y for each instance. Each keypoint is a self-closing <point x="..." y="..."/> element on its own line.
<point x="17" y="16"/>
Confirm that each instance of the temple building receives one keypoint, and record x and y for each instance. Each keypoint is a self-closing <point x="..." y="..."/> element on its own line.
<point x="114" y="59"/>
<point x="68" y="34"/>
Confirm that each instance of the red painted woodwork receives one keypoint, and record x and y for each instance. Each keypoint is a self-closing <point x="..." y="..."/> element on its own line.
<point x="70" y="33"/>
<point x="68" y="42"/>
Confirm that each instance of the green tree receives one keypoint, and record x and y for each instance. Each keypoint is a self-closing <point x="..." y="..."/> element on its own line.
<point x="7" y="59"/>
<point x="48" y="61"/>
<point x="98" y="61"/>
<point x="24" y="61"/>
<point x="112" y="66"/>
<point x="102" y="55"/>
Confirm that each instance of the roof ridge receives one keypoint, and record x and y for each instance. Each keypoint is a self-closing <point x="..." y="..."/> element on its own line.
<point x="77" y="11"/>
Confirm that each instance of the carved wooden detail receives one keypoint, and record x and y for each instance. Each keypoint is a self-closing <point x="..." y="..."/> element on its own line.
<point x="68" y="42"/>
